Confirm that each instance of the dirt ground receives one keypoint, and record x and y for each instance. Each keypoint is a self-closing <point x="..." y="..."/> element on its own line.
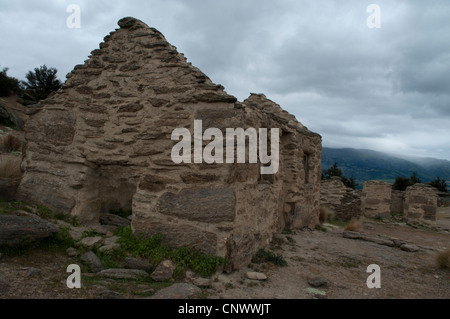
<point x="340" y="261"/>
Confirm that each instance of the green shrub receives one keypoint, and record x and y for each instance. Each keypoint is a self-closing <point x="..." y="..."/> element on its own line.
<point x="59" y="241"/>
<point x="268" y="256"/>
<point x="152" y="248"/>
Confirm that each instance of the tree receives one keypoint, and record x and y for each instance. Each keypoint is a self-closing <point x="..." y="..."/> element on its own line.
<point x="440" y="184"/>
<point x="414" y="179"/>
<point x="401" y="183"/>
<point x="40" y="84"/>
<point x="335" y="171"/>
<point x="8" y="85"/>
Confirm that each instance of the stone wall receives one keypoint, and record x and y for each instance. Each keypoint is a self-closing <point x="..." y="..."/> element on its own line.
<point x="104" y="142"/>
<point x="421" y="202"/>
<point x="344" y="201"/>
<point x="376" y="199"/>
<point x="397" y="201"/>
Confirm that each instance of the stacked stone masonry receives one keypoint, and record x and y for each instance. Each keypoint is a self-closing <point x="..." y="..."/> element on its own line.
<point x="344" y="201"/>
<point x="103" y="142"/>
<point x="421" y="202"/>
<point x="376" y="199"/>
<point x="418" y="202"/>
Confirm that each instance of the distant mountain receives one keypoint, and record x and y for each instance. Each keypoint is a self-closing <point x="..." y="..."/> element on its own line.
<point x="366" y="165"/>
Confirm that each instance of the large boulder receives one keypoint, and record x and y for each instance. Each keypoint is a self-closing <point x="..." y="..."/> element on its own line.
<point x="20" y="230"/>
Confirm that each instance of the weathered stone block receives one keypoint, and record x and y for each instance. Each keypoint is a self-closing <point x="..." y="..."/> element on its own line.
<point x="200" y="204"/>
<point x="179" y="235"/>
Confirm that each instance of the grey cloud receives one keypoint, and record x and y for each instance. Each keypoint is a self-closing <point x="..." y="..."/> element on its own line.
<point x="358" y="87"/>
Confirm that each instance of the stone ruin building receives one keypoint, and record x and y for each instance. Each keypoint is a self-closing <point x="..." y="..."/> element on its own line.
<point x="418" y="202"/>
<point x="343" y="200"/>
<point x="378" y="200"/>
<point x="103" y="142"/>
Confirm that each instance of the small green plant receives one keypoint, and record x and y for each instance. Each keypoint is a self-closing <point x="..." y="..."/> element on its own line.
<point x="153" y="249"/>
<point x="59" y="241"/>
<point x="320" y="227"/>
<point x="337" y="222"/>
<point x="91" y="233"/>
<point x="75" y="222"/>
<point x="287" y="231"/>
<point x="229" y="285"/>
<point x="10" y="207"/>
<point x="252" y="284"/>
<point x="277" y="242"/>
<point x="268" y="256"/>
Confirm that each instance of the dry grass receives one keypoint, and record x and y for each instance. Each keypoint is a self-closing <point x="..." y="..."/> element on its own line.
<point x="10" y="165"/>
<point x="354" y="225"/>
<point x="325" y="214"/>
<point x="10" y="143"/>
<point x="443" y="259"/>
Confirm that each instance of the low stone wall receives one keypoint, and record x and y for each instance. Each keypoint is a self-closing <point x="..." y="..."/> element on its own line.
<point x="376" y="199"/>
<point x="421" y="202"/>
<point x="344" y="201"/>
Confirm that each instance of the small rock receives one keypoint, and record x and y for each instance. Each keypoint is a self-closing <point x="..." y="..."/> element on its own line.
<point x="315" y="291"/>
<point x="138" y="263"/>
<point x="109" y="248"/>
<point x="380" y="241"/>
<point x="164" y="271"/>
<point x="23" y="213"/>
<point x="113" y="220"/>
<point x="126" y="22"/>
<point x="92" y="242"/>
<point x="256" y="275"/>
<point x="108" y="294"/>
<point x="318" y="282"/>
<point x="352" y="235"/>
<point x="436" y="276"/>
<point x="409" y="248"/>
<point x="398" y="242"/>
<point x="92" y="261"/>
<point x="193" y="278"/>
<point x="224" y="279"/>
<point x="119" y="273"/>
<point x="71" y="252"/>
<point x="31" y="272"/>
<point x="76" y="233"/>
<point x="178" y="291"/>
<point x="111" y="240"/>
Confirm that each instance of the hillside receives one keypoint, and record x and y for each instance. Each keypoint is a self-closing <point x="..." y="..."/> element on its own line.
<point x="366" y="165"/>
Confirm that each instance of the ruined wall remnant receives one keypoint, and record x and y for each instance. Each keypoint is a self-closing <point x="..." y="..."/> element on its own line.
<point x="421" y="202"/>
<point x="103" y="142"/>
<point x="376" y="199"/>
<point x="397" y="201"/>
<point x="344" y="201"/>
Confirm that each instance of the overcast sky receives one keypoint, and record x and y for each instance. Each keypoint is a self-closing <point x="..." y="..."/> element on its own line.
<point x="386" y="89"/>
